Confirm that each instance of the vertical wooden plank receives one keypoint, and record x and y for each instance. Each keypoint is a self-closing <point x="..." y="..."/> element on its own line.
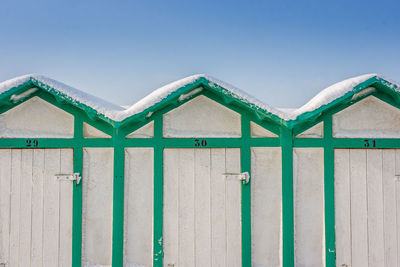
<point x="359" y="218"/>
<point x="65" y="221"/>
<point x="139" y="189"/>
<point x="98" y="180"/>
<point x="375" y="208"/>
<point x="5" y="192"/>
<point x="51" y="208"/>
<point x="266" y="183"/>
<point x="15" y="206"/>
<point x="202" y="168"/>
<point x="37" y="207"/>
<point x="389" y="206"/>
<point x="171" y="206"/>
<point x="342" y="207"/>
<point x="309" y="206"/>
<point x="25" y="208"/>
<point x="233" y="210"/>
<point x="186" y="207"/>
<point x="218" y="216"/>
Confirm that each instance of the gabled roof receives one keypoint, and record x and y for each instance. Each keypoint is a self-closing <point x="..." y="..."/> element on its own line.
<point x="16" y="89"/>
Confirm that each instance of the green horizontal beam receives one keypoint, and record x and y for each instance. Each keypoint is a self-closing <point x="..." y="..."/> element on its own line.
<point x="308" y="142"/>
<point x="202" y="142"/>
<point x="52" y="142"/>
<point x="36" y="143"/>
<point x="365" y="143"/>
<point x="348" y="142"/>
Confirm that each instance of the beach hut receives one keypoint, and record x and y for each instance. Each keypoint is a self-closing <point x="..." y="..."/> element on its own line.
<point x="199" y="173"/>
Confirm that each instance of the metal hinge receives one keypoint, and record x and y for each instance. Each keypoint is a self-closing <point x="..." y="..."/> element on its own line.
<point x="69" y="177"/>
<point x="244" y="176"/>
<point x="397" y="177"/>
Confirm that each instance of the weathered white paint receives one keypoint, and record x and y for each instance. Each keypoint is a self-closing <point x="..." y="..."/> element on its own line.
<point x="317" y="131"/>
<point x="201" y="117"/>
<point x="91" y="132"/>
<point x="309" y="207"/>
<point x="35" y="208"/>
<point x="366" y="207"/>
<point x="146" y="131"/>
<point x="202" y="214"/>
<point x="97" y="205"/>
<point x="258" y="131"/>
<point x="266" y="206"/>
<point x="36" y="118"/>
<point x="342" y="207"/>
<point x="369" y="118"/>
<point x="138" y="225"/>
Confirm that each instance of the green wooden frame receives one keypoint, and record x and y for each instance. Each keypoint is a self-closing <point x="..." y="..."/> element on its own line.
<point x="286" y="131"/>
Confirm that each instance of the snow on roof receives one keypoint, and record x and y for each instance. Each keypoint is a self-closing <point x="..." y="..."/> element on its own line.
<point x="118" y="113"/>
<point x="329" y="94"/>
<point x="163" y="92"/>
<point x="74" y="95"/>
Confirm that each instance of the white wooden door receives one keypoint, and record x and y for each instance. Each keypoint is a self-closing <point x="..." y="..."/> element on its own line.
<point x="202" y="210"/>
<point x="367" y="201"/>
<point x="35" y="208"/>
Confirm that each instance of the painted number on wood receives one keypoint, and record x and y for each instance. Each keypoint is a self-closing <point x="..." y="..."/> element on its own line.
<point x="369" y="143"/>
<point x="31" y="143"/>
<point x="200" y="143"/>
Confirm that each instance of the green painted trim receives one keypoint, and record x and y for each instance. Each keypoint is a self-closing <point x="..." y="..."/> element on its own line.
<point x="118" y="201"/>
<point x="308" y="142"/>
<point x="360" y="143"/>
<point x="313" y="115"/>
<point x="53" y="142"/>
<point x="287" y="198"/>
<point x="158" y="250"/>
<point x="252" y="115"/>
<point x="245" y="159"/>
<point x="77" y="197"/>
<point x="207" y="86"/>
<point x="228" y="97"/>
<point x="329" y="194"/>
<point x="211" y="142"/>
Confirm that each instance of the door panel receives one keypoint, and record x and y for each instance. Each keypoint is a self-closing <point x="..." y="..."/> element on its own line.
<point x="202" y="210"/>
<point x="35" y="208"/>
<point x="366" y="191"/>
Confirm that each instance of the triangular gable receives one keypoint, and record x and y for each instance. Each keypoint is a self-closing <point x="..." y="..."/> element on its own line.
<point x="170" y="94"/>
<point x="146" y="131"/>
<point x="36" y="118"/>
<point x="317" y="131"/>
<point x="341" y="93"/>
<point x="14" y="91"/>
<point x="368" y="118"/>
<point x="91" y="132"/>
<point x="201" y="117"/>
<point x="258" y="131"/>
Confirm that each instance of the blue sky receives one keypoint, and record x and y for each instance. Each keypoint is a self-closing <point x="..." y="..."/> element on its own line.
<point x="282" y="52"/>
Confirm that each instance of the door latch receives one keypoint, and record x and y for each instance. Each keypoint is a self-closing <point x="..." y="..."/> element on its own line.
<point x="244" y="177"/>
<point x="68" y="177"/>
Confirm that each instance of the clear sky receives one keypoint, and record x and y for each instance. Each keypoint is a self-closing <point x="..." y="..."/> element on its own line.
<point x="282" y="52"/>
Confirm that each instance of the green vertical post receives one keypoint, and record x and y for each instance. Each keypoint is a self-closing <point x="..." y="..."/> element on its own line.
<point x="77" y="195"/>
<point x="329" y="192"/>
<point x="287" y="197"/>
<point x="158" y="193"/>
<point x="118" y="201"/>
<point x="245" y="155"/>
